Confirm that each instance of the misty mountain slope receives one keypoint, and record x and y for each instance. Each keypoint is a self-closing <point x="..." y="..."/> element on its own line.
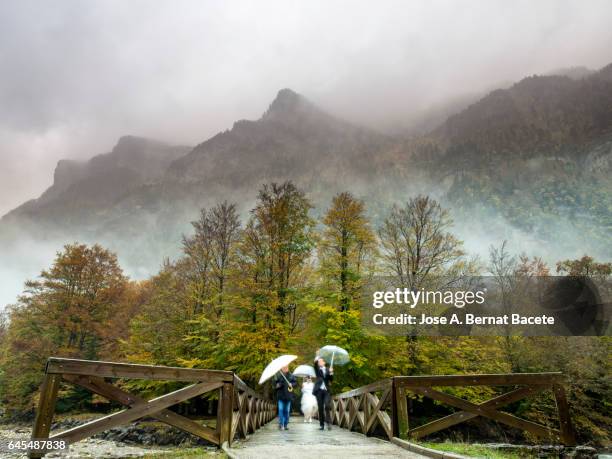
<point x="83" y="188"/>
<point x="139" y="199"/>
<point x="538" y="113"/>
<point x="575" y="73"/>
<point x="144" y="184"/>
<point x="538" y="155"/>
<point x="292" y="140"/>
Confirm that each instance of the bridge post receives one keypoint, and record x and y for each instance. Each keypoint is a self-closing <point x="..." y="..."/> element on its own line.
<point x="46" y="409"/>
<point x="399" y="410"/>
<point x="225" y="413"/>
<point x="565" y="423"/>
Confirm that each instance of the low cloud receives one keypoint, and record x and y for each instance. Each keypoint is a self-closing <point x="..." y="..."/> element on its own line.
<point x="76" y="76"/>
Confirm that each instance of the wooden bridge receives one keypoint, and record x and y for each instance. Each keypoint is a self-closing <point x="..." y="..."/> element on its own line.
<point x="379" y="409"/>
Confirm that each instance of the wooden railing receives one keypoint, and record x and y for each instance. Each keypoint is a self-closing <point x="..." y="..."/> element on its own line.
<point x="240" y="409"/>
<point x="384" y="404"/>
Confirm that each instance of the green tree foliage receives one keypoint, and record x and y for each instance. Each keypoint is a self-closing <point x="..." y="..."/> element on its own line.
<point x="158" y="332"/>
<point x="210" y="252"/>
<point x="280" y="240"/>
<point x="347" y="248"/>
<point x="273" y="256"/>
<point x="584" y="360"/>
<point x="241" y="295"/>
<point x="346" y="256"/>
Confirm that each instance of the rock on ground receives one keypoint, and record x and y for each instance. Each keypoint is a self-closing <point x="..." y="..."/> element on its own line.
<point x="88" y="448"/>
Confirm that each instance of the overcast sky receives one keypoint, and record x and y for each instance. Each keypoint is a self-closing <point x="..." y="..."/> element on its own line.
<point x="76" y="75"/>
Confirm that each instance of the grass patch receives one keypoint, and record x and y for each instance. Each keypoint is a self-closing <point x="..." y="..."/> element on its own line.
<point x="474" y="450"/>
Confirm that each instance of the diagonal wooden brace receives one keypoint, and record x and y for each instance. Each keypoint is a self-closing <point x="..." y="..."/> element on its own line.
<point x="111" y="392"/>
<point x="462" y="416"/>
<point x="377" y="405"/>
<point x="137" y="411"/>
<point x="532" y="427"/>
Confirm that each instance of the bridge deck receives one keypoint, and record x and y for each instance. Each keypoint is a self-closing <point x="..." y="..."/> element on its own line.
<point x="306" y="440"/>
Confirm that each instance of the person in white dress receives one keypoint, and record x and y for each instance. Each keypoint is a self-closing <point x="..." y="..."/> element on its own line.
<point x="309" y="401"/>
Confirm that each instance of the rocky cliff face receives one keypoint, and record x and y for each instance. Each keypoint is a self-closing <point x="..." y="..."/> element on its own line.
<point x="83" y="187"/>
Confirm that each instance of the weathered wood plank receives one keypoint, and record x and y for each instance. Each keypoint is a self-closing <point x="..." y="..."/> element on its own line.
<point x="240" y="399"/>
<point x="385" y="422"/>
<point x="400" y="426"/>
<point x="353" y="409"/>
<point x="565" y="423"/>
<point x="480" y="380"/>
<point x="361" y="419"/>
<point x="225" y="413"/>
<point x="139" y="410"/>
<point x="46" y="409"/>
<point x="235" y="423"/>
<point x="376" y="386"/>
<point x="134" y="371"/>
<point x="242" y="386"/>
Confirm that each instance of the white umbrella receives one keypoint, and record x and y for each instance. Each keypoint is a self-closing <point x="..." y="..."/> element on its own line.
<point x="336" y="353"/>
<point x="275" y="366"/>
<point x="303" y="371"/>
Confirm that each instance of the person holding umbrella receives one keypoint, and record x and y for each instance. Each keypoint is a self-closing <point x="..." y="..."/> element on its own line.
<point x="322" y="391"/>
<point x="284" y="382"/>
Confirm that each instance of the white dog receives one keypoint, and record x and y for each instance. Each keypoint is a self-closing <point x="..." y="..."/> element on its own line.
<point x="309" y="401"/>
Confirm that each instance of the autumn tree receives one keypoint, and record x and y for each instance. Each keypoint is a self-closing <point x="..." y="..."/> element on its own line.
<point x="157" y="333"/>
<point x="585" y="266"/>
<point x="533" y="266"/>
<point x="68" y="311"/>
<point x="504" y="268"/>
<point x="273" y="254"/>
<point x="279" y="241"/>
<point x="347" y="245"/>
<point x="3" y="327"/>
<point x="180" y="322"/>
<point x="346" y="256"/>
<point x="211" y="251"/>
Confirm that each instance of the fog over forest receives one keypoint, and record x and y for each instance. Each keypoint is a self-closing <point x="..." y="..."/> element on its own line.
<point x="78" y="76"/>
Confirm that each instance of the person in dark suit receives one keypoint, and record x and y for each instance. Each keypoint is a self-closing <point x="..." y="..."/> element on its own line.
<point x="322" y="391"/>
<point x="284" y="384"/>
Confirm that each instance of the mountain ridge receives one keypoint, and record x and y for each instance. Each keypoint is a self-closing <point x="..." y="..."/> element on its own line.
<point x="536" y="112"/>
<point x="520" y="159"/>
<point x="289" y="135"/>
